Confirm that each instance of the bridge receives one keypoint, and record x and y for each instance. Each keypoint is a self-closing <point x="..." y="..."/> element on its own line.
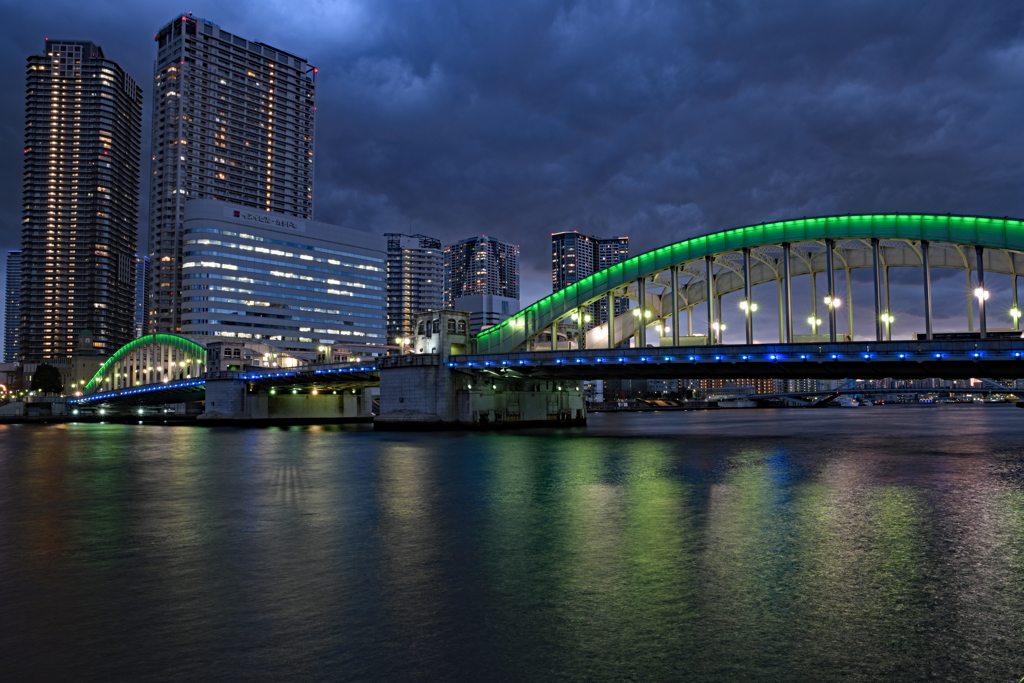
<point x="662" y="285"/>
<point x="530" y="367"/>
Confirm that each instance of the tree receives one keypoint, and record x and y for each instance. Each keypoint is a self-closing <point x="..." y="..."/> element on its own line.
<point x="47" y="380"/>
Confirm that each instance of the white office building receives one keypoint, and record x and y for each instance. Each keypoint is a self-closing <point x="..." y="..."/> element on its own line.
<point x="290" y="283"/>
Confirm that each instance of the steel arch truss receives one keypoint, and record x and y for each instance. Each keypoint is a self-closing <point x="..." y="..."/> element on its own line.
<point x="951" y="239"/>
<point x="152" y="359"/>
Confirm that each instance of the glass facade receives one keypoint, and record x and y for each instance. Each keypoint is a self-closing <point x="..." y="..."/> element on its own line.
<point x="292" y="284"/>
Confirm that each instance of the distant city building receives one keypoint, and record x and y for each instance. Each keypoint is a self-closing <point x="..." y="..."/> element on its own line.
<point x="797" y="385"/>
<point x="736" y="387"/>
<point x="83" y="126"/>
<point x="293" y="284"/>
<point x="481" y="265"/>
<point x="486" y="310"/>
<point x="12" y="313"/>
<point x="232" y="120"/>
<point x="575" y="257"/>
<point x="415" y="280"/>
<point x="662" y="386"/>
<point x="143" y="282"/>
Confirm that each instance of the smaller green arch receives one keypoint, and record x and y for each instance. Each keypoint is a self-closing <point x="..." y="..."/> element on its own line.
<point x="186" y="345"/>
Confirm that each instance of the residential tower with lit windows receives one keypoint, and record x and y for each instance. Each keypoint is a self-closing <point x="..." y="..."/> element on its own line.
<point x="12" y="314"/>
<point x="83" y="125"/>
<point x="481" y="265"/>
<point x="415" y="280"/>
<point x="575" y="257"/>
<point x="232" y="120"/>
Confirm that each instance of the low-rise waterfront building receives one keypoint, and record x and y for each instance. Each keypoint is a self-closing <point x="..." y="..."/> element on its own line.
<point x="293" y="284"/>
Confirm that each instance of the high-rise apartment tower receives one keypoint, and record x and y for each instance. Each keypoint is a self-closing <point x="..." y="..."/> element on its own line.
<point x="481" y="265"/>
<point x="12" y="315"/>
<point x="143" y="283"/>
<point x="415" y="280"/>
<point x="83" y="126"/>
<point x="575" y="257"/>
<point x="232" y="120"/>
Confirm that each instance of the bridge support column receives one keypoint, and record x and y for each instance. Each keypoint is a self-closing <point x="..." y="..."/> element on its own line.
<point x="787" y="295"/>
<point x="970" y="301"/>
<point x="876" y="268"/>
<point x="885" y="295"/>
<point x="849" y="302"/>
<point x="710" y="288"/>
<point x="641" y="330"/>
<point x="782" y="328"/>
<point x="675" y="305"/>
<point x="611" y="319"/>
<point x="749" y="322"/>
<point x="580" y="327"/>
<point x="1016" y="318"/>
<point x="927" y="290"/>
<point x="980" y="251"/>
<point x="814" y="300"/>
<point x="830" y="267"/>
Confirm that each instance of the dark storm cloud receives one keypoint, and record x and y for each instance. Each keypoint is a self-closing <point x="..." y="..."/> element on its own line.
<point x="659" y="120"/>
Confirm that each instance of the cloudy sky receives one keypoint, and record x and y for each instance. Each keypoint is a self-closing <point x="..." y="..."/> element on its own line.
<point x="657" y="120"/>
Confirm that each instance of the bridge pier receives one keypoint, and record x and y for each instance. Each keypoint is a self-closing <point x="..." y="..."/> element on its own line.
<point x="419" y="392"/>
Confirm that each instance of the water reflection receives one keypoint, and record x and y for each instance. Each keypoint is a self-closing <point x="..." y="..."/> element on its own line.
<point x="674" y="552"/>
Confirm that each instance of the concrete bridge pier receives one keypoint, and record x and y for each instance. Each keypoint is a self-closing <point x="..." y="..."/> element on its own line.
<point x="235" y="400"/>
<point x="422" y="392"/>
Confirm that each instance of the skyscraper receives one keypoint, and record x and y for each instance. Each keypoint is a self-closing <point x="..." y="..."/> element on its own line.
<point x="12" y="315"/>
<point x="415" y="280"/>
<point x="143" y="282"/>
<point x="83" y="125"/>
<point x="481" y="265"/>
<point x="232" y="120"/>
<point x="575" y="257"/>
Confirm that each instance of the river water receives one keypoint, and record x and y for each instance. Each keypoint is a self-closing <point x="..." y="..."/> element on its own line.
<point x="882" y="543"/>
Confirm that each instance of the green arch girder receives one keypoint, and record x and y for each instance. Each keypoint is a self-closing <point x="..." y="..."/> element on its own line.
<point x="186" y="345"/>
<point x="999" y="233"/>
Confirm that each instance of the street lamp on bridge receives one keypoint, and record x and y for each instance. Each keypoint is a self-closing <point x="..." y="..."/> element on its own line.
<point x="888" y="320"/>
<point x="982" y="295"/>
<point x="814" y="322"/>
<point x="1015" y="314"/>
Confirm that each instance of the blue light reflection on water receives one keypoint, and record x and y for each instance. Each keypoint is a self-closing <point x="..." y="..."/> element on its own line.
<point x="878" y="543"/>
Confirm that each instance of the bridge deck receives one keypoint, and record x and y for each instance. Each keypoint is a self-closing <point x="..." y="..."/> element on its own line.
<point x="862" y="360"/>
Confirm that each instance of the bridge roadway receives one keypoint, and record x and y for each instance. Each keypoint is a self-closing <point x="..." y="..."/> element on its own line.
<point x="861" y="360"/>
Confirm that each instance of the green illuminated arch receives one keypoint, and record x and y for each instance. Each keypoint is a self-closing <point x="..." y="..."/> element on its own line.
<point x="186" y="345"/>
<point x="999" y="233"/>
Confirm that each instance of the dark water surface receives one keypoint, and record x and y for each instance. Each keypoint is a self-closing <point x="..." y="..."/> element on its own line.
<point x="874" y="544"/>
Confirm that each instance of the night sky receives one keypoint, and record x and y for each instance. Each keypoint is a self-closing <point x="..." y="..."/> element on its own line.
<point x="657" y="120"/>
